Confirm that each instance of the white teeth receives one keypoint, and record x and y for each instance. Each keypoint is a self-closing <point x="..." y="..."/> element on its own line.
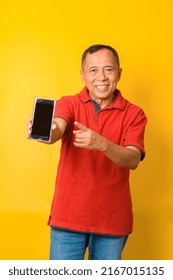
<point x="101" y="87"/>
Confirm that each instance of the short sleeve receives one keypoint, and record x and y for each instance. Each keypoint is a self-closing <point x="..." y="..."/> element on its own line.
<point x="64" y="109"/>
<point x="134" y="135"/>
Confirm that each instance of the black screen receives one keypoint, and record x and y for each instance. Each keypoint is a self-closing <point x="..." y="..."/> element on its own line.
<point x="42" y="119"/>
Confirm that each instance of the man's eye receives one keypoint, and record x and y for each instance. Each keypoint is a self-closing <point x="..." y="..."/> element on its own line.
<point x="93" y="71"/>
<point x="108" y="70"/>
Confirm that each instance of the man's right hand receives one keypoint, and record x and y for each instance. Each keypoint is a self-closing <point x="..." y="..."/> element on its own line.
<point x="58" y="129"/>
<point x="29" y="127"/>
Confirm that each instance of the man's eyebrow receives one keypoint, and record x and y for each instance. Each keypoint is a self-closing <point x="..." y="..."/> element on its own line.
<point x="109" y="65"/>
<point x="93" y="66"/>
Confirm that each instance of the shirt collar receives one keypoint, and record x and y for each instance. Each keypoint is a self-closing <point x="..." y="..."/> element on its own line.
<point x="119" y="102"/>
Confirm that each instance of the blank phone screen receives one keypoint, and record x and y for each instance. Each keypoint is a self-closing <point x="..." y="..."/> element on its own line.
<point x="42" y="120"/>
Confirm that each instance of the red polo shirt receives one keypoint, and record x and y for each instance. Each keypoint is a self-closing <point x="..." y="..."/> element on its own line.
<point x="92" y="194"/>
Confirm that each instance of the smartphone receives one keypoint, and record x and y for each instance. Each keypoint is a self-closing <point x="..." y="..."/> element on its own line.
<point x="42" y="119"/>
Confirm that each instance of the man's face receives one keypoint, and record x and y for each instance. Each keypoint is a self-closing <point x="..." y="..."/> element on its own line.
<point x="100" y="73"/>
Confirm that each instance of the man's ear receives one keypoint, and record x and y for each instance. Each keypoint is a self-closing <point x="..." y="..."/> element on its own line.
<point x="119" y="73"/>
<point x="82" y="76"/>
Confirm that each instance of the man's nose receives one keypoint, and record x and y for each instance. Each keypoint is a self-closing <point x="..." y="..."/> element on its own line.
<point x="101" y="75"/>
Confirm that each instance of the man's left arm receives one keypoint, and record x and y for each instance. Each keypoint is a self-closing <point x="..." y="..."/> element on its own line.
<point x="126" y="157"/>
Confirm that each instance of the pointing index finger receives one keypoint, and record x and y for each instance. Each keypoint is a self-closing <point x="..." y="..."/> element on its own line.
<point x="80" y="126"/>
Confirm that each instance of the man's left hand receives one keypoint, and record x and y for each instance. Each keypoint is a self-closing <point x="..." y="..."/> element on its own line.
<point x="88" y="139"/>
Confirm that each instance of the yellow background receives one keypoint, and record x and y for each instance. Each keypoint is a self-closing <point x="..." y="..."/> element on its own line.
<point x="41" y="43"/>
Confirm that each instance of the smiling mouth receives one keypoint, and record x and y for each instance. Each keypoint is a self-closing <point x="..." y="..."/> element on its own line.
<point x="101" y="86"/>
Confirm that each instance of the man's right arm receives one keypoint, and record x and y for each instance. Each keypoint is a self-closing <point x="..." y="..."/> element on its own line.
<point x="59" y="126"/>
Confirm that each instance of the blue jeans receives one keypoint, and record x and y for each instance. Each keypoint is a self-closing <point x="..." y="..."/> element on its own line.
<point x="70" y="245"/>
